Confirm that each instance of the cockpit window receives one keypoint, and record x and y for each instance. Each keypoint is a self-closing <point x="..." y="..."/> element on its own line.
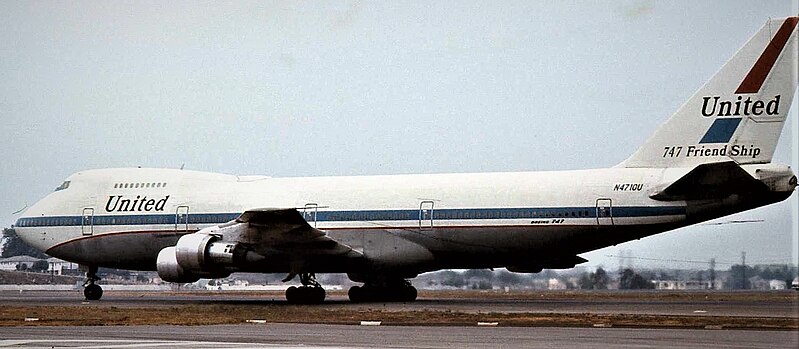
<point x="63" y="186"/>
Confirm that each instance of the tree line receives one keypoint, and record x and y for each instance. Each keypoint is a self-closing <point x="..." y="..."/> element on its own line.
<point x="14" y="246"/>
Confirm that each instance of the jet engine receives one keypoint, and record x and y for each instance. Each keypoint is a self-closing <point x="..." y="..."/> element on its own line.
<point x="195" y="256"/>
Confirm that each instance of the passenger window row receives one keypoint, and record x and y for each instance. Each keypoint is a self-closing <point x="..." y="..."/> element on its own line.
<point x="139" y="185"/>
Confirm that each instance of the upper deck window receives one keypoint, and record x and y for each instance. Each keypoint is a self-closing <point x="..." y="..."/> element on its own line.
<point x="63" y="186"/>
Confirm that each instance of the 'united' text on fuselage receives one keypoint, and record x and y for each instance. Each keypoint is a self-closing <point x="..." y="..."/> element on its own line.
<point x="119" y="204"/>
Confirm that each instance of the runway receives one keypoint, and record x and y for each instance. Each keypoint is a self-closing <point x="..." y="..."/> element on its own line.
<point x="342" y="336"/>
<point x="529" y="319"/>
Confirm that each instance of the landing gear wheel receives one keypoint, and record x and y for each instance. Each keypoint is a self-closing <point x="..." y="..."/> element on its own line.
<point x="386" y="292"/>
<point x="92" y="292"/>
<point x="409" y="294"/>
<point x="356" y="294"/>
<point x="305" y="295"/>
<point x="311" y="292"/>
<point x="318" y="294"/>
<point x="292" y="295"/>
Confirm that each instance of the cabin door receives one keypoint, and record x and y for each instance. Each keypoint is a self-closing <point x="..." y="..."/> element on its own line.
<point x="604" y="212"/>
<point x="182" y="219"/>
<point x="309" y="213"/>
<point x="426" y="215"/>
<point x="87" y="222"/>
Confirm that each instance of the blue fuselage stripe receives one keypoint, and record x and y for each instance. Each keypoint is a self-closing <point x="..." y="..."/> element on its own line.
<point x="361" y="215"/>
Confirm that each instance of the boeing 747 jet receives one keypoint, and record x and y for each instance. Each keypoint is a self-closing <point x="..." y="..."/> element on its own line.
<point x="710" y="159"/>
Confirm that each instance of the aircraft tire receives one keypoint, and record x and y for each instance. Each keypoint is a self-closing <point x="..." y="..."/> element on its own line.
<point x="316" y="295"/>
<point x="367" y="293"/>
<point x="305" y="295"/>
<point x="92" y="292"/>
<point x="356" y="294"/>
<point x="409" y="294"/>
<point x="292" y="295"/>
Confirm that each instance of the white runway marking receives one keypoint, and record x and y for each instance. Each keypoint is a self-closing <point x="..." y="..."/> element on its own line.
<point x="137" y="343"/>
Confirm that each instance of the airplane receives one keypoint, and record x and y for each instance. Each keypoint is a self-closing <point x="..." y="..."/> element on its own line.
<point x="710" y="159"/>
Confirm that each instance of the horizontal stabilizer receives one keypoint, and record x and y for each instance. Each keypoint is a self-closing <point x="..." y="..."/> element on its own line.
<point x="710" y="181"/>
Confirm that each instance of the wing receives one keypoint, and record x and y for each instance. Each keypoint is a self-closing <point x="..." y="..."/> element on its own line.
<point x="284" y="229"/>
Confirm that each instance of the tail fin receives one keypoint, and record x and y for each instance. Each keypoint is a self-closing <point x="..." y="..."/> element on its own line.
<point x="738" y="114"/>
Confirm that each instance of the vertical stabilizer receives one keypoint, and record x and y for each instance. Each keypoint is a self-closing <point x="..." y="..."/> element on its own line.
<point x="738" y="114"/>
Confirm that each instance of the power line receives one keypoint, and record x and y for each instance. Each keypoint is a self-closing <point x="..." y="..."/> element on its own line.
<point x="762" y="261"/>
<point x="670" y="260"/>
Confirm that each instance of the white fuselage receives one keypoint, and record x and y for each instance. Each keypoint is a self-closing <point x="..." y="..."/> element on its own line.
<point x="124" y="217"/>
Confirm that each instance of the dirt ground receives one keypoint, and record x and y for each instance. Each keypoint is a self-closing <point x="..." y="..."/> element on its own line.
<point x="85" y="314"/>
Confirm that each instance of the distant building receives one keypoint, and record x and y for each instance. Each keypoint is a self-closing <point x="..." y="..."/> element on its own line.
<point x="555" y="284"/>
<point x="61" y="267"/>
<point x="681" y="285"/>
<point x="16" y="262"/>
<point x="776" y="285"/>
<point x="758" y="283"/>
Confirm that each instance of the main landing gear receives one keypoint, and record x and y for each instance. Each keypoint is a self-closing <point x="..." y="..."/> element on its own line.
<point x="91" y="290"/>
<point x="395" y="291"/>
<point x="311" y="292"/>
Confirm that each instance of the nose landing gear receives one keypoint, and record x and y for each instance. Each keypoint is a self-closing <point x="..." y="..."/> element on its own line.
<point x="91" y="290"/>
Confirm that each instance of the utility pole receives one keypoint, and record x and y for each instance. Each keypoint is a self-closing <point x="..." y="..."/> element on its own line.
<point x="712" y="273"/>
<point x="743" y="264"/>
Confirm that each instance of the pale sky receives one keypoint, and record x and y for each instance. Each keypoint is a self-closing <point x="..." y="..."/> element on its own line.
<point x="296" y="88"/>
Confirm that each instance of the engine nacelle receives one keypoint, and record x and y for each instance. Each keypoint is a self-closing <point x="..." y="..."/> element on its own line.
<point x="169" y="269"/>
<point x="191" y="250"/>
<point x="195" y="256"/>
